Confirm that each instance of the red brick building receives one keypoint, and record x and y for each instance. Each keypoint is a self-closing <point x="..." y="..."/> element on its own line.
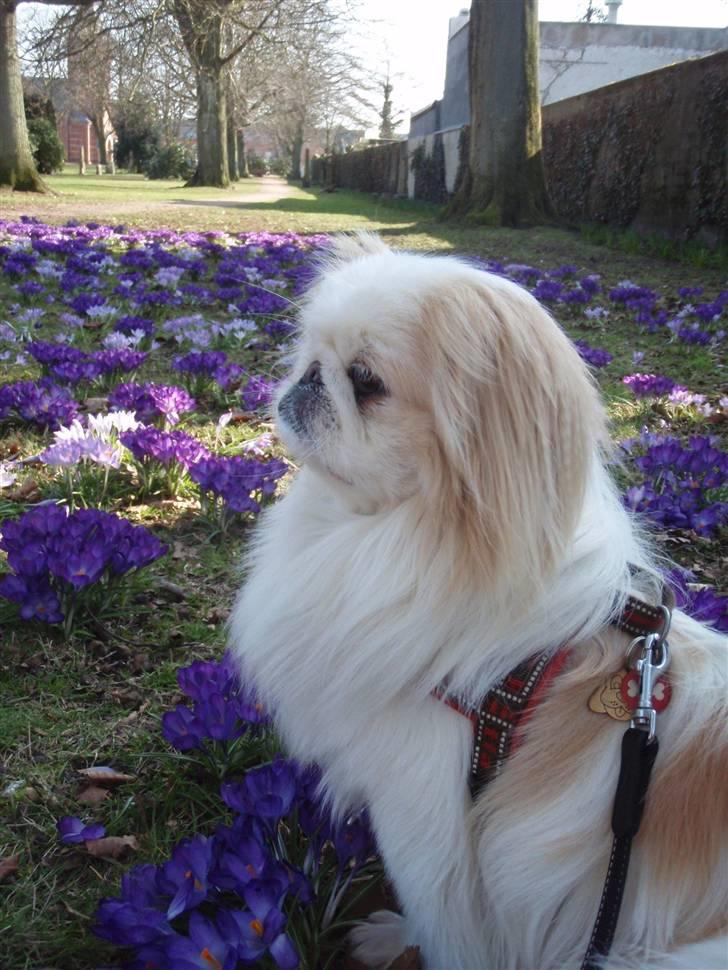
<point x="76" y="131"/>
<point x="75" y="128"/>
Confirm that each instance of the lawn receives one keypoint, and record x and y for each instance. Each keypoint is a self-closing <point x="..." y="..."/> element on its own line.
<point x="94" y="695"/>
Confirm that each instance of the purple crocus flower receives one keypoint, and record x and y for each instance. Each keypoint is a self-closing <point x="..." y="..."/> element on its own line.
<point x="236" y="479"/>
<point x="646" y="385"/>
<point x="593" y="355"/>
<point x="51" y="551"/>
<point x="125" y="924"/>
<point x="219" y="718"/>
<point x="205" y="947"/>
<point x="353" y="841"/>
<point x="73" y="831"/>
<point x="243" y="861"/>
<point x="258" y="393"/>
<point x="203" y="677"/>
<point x="185" y="876"/>
<point x="40" y="402"/>
<point x="182" y="729"/>
<point x="259" y="929"/>
<point x="151" y="401"/>
<point x="267" y="791"/>
<point x="164" y="447"/>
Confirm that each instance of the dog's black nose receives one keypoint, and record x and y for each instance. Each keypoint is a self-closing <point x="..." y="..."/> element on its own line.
<point x="313" y="374"/>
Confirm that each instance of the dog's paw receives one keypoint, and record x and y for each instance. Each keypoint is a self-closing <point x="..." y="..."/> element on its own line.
<point x="380" y="940"/>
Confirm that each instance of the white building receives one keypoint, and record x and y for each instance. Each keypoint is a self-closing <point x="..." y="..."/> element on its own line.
<point x="574" y="57"/>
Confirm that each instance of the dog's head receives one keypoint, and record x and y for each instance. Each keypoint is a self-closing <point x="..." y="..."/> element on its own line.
<point x="424" y="378"/>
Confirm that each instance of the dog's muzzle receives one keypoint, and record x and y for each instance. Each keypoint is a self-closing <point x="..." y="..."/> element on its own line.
<point x="306" y="406"/>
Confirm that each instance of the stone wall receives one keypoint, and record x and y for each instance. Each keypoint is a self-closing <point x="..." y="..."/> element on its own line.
<point x="382" y="170"/>
<point x="649" y="153"/>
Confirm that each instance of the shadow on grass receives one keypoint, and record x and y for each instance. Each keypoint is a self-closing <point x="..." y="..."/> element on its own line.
<point x="348" y="203"/>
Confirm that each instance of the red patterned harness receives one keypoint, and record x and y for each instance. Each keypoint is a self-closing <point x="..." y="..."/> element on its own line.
<point x="508" y="705"/>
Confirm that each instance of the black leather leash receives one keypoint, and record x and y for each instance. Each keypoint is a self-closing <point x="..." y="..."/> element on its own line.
<point x="639" y="750"/>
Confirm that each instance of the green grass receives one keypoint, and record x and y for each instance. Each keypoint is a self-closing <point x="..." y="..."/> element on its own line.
<point x="689" y="252"/>
<point x="133" y="200"/>
<point x="97" y="698"/>
<point x="68" y="185"/>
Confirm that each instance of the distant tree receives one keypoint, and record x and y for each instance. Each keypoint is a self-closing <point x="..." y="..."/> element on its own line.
<point x="319" y="84"/>
<point x="137" y="131"/>
<point x="594" y="13"/>
<point x="215" y="33"/>
<point x="38" y="106"/>
<point x="386" y="126"/>
<point x="17" y="166"/>
<point x="504" y="183"/>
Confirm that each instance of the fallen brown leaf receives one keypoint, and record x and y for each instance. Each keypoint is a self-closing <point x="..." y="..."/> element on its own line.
<point x="103" y="775"/>
<point x="140" y="662"/>
<point x="9" y="866"/>
<point x="112" y="847"/>
<point x="25" y="492"/>
<point x="93" y="795"/>
<point x="133" y="716"/>
<point x="179" y="550"/>
<point x="173" y="589"/>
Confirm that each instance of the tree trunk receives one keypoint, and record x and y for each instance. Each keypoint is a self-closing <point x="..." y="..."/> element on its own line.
<point x="98" y="125"/>
<point x="232" y="150"/>
<point x="201" y="24"/>
<point x="17" y="166"/>
<point x="243" y="170"/>
<point x="296" y="150"/>
<point x="212" y="160"/>
<point x="504" y="182"/>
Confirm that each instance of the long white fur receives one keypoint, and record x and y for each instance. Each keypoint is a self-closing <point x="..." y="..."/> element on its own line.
<point x="357" y="604"/>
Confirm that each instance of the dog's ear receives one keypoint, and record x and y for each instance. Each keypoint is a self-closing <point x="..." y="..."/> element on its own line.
<point x="518" y="423"/>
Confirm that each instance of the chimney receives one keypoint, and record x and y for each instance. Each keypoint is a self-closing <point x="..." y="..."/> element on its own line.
<point x="612" y="10"/>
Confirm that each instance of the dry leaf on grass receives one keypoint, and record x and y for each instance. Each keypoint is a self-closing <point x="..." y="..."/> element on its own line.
<point x="9" y="866"/>
<point x="25" y="492"/>
<point x="132" y="717"/>
<point x="179" y="550"/>
<point x="103" y="775"/>
<point x="93" y="795"/>
<point x="112" y="847"/>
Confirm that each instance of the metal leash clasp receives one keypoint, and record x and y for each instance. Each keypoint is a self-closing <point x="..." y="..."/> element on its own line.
<point x="653" y="660"/>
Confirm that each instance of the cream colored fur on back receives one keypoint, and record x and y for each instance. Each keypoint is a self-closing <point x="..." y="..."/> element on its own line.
<point x="444" y="533"/>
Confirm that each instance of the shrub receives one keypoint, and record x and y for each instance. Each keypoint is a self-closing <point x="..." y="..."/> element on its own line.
<point x="46" y="146"/>
<point x="278" y="166"/>
<point x="172" y="162"/>
<point x="257" y="165"/>
<point x="138" y="139"/>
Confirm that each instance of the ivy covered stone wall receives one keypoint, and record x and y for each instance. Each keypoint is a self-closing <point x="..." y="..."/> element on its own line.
<point x="382" y="169"/>
<point x="649" y="153"/>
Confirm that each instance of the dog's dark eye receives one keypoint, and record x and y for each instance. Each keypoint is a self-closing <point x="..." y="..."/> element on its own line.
<point x="366" y="384"/>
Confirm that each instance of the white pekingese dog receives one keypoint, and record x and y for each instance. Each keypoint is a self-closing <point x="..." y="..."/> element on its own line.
<point x="452" y="518"/>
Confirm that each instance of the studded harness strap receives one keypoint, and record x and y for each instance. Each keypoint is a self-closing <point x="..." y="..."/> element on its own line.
<point x="508" y="705"/>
